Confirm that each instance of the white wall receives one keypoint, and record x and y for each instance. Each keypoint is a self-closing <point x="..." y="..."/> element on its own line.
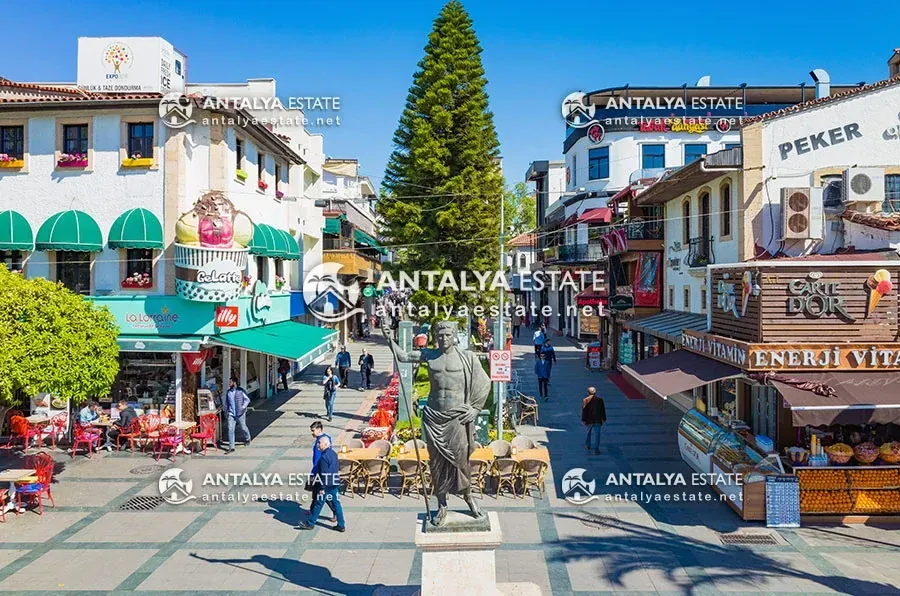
<point x="873" y="112"/>
<point x="868" y="238"/>
<point x="625" y="154"/>
<point x="104" y="190"/>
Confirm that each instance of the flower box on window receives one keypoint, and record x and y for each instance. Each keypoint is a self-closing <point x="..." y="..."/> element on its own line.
<point x="137" y="161"/>
<point x="10" y="162"/>
<point x="138" y="281"/>
<point x="72" y="160"/>
<point x="261" y="184"/>
<point x="280" y="282"/>
<point x="279" y="194"/>
<point x="240" y="175"/>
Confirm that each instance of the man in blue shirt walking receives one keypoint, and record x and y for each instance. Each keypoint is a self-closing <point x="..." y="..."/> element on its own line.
<point x="236" y="402"/>
<point x="315" y="487"/>
<point x="342" y="362"/>
<point x="542" y="370"/>
<point x="325" y="473"/>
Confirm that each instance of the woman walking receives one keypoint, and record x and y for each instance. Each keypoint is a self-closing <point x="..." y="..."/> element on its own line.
<point x="330" y="382"/>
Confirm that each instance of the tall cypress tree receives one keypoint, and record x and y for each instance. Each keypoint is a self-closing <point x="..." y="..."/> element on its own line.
<point x="443" y="170"/>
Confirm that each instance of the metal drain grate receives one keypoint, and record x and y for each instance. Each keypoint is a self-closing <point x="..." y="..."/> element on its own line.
<point x="142" y="503"/>
<point x="146" y="470"/>
<point x="728" y="539"/>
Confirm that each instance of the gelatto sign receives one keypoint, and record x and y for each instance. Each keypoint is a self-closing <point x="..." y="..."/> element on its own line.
<point x="219" y="272"/>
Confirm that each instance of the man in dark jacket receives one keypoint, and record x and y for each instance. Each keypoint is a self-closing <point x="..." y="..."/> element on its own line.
<point x="366" y="365"/>
<point x="342" y="362"/>
<point x="593" y="416"/>
<point x="542" y="370"/>
<point x="549" y="353"/>
<point x="126" y="416"/>
<point x="325" y="472"/>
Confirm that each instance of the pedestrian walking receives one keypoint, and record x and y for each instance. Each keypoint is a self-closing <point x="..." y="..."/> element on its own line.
<point x="325" y="473"/>
<point x="549" y="353"/>
<point x="593" y="416"/>
<point x="342" y="362"/>
<point x="330" y="382"/>
<point x="509" y="339"/>
<point x="542" y="370"/>
<point x="283" y="369"/>
<point x="539" y="337"/>
<point x="517" y="325"/>
<point x="236" y="402"/>
<point x="366" y="365"/>
<point x="312" y="484"/>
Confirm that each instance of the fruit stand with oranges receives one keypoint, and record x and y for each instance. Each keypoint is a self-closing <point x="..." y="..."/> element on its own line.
<point x="850" y="489"/>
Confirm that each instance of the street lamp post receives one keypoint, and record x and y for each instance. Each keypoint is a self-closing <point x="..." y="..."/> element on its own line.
<point x="500" y="340"/>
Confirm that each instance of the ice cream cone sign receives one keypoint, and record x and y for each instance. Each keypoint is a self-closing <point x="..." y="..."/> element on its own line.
<point x="879" y="284"/>
<point x="746" y="291"/>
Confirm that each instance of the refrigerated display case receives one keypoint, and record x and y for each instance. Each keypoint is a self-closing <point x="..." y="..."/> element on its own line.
<point x="696" y="434"/>
<point x="740" y="471"/>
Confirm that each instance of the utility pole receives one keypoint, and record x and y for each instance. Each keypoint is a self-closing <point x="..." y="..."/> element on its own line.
<point x="500" y="340"/>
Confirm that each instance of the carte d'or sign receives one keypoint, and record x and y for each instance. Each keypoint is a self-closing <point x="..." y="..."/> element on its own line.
<point x="787" y="357"/>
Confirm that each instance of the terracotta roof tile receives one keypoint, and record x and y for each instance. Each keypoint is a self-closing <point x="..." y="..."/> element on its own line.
<point x="522" y="240"/>
<point x="872" y="220"/>
<point x="822" y="100"/>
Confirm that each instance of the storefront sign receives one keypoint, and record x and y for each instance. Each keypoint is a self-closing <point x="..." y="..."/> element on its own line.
<point x="226" y="316"/>
<point x="589" y="324"/>
<point x="819" y="140"/>
<point x="591" y="300"/>
<point x="621" y="303"/>
<point x="726" y="294"/>
<point x="193" y="361"/>
<point x="689" y="125"/>
<point x="717" y="348"/>
<point x="815" y="298"/>
<point x="785" y="357"/>
<point x="158" y="315"/>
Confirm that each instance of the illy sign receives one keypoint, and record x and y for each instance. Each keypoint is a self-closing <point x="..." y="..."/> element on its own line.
<point x="226" y="316"/>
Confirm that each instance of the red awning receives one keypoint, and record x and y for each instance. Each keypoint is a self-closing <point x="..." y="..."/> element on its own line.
<point x="597" y="214"/>
<point x="570" y="220"/>
<point x="625" y="193"/>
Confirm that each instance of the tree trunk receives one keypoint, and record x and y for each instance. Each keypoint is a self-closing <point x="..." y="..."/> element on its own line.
<point x="189" y="382"/>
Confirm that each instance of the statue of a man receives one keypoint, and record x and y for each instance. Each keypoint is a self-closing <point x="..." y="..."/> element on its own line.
<point x="459" y="389"/>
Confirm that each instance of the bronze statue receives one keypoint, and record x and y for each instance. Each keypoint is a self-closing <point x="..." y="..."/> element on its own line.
<point x="459" y="389"/>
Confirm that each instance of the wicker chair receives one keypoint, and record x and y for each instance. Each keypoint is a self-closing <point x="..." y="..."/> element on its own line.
<point x="478" y="470"/>
<point x="410" y="477"/>
<point x="374" y="472"/>
<point x="505" y="472"/>
<point x="348" y="473"/>
<point x="501" y="448"/>
<point x="354" y="444"/>
<point x="532" y="473"/>
<point x="409" y="446"/>
<point x="528" y="408"/>
<point x="521" y="442"/>
<point x="384" y="447"/>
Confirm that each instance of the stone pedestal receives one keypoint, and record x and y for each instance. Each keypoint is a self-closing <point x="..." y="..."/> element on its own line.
<point x="456" y="560"/>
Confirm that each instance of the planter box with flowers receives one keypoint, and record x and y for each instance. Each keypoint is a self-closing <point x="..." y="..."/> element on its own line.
<point x="72" y="160"/>
<point x="279" y="194"/>
<point x="138" y="281"/>
<point x="261" y="185"/>
<point x="245" y="283"/>
<point x="280" y="283"/>
<point x="137" y="161"/>
<point x="240" y="175"/>
<point x="10" y="162"/>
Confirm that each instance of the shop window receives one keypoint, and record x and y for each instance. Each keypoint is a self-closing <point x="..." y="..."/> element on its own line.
<point x="138" y="268"/>
<point x="687" y="298"/>
<point x="238" y="153"/>
<point x="686" y="223"/>
<point x="140" y="139"/>
<point x="75" y="138"/>
<point x="262" y="269"/>
<point x="693" y="152"/>
<point x="147" y="378"/>
<point x="14" y="260"/>
<point x="261" y="167"/>
<point x="702" y="299"/>
<point x="671" y="297"/>
<point x="598" y="163"/>
<point x="277" y="177"/>
<point x="891" y="194"/>
<point x="575" y="170"/>
<point x="726" y="400"/>
<point x="279" y="268"/>
<point x="732" y="146"/>
<point x="653" y="156"/>
<point x="725" y="209"/>
<point x="12" y="141"/>
<point x="73" y="270"/>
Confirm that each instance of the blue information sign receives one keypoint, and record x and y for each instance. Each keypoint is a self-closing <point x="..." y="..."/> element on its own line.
<point x="782" y="502"/>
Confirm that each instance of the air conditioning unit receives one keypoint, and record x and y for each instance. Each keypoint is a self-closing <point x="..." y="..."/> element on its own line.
<point x="802" y="217"/>
<point x="864" y="185"/>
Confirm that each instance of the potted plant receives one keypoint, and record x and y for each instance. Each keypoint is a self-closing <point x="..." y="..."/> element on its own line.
<point x="279" y="194"/>
<point x="240" y="174"/>
<point x="261" y="184"/>
<point x="280" y="282"/>
<point x="137" y="281"/>
<point x="245" y="282"/>
<point x="72" y="160"/>
<point x="8" y="161"/>
<point x="137" y="161"/>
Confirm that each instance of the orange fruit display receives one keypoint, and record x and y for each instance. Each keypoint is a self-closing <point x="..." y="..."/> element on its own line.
<point x="825" y="501"/>
<point x="822" y="479"/>
<point x="874" y="478"/>
<point x="876" y="501"/>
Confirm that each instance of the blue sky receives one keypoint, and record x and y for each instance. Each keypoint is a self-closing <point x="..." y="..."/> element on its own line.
<point x="535" y="53"/>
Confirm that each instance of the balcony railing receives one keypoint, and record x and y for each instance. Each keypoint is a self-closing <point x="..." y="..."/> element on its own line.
<point x="574" y="253"/>
<point x="700" y="252"/>
<point x="646" y="173"/>
<point x="644" y="230"/>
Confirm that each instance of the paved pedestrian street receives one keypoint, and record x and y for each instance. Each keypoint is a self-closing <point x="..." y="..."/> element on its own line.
<point x="89" y="543"/>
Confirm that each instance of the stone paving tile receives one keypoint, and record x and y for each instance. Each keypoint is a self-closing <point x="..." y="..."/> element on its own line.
<point x="135" y="526"/>
<point x="870" y="573"/>
<point x="218" y="569"/>
<point x="107" y="465"/>
<point x="354" y="569"/>
<point x="857" y="536"/>
<point x="592" y="573"/>
<point x="82" y="569"/>
<point x="371" y="526"/>
<point x="523" y="566"/>
<point x="31" y="527"/>
<point x="519" y="528"/>
<point x="246" y="526"/>
<point x="7" y="556"/>
<point x="90" y="494"/>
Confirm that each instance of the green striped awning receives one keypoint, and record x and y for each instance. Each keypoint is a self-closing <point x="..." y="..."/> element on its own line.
<point x="293" y="252"/>
<point x="15" y="232"/>
<point x="366" y="240"/>
<point x="70" y="230"/>
<point x="136" y="228"/>
<point x="150" y="343"/>
<point x="279" y="241"/>
<point x="263" y="242"/>
<point x="333" y="225"/>
<point x="288" y="339"/>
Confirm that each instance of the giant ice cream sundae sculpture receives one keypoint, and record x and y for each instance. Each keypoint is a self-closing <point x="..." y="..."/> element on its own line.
<point x="211" y="250"/>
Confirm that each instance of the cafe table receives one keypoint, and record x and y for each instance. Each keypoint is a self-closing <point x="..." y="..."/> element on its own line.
<point x="359" y="453"/>
<point x="184" y="426"/>
<point x="13" y="476"/>
<point x="482" y="454"/>
<point x="539" y="453"/>
<point x="37" y="419"/>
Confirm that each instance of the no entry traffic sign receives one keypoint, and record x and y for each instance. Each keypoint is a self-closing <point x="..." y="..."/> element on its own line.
<point x="501" y="365"/>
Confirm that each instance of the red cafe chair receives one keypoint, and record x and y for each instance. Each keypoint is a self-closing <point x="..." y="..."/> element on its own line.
<point x="56" y="428"/>
<point x="207" y="435"/>
<point x="21" y="430"/>
<point x="129" y="434"/>
<point x="35" y="491"/>
<point x="85" y="434"/>
<point x="151" y="424"/>
<point x="170" y="438"/>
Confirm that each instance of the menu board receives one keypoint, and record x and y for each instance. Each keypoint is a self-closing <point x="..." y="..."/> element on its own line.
<point x="782" y="502"/>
